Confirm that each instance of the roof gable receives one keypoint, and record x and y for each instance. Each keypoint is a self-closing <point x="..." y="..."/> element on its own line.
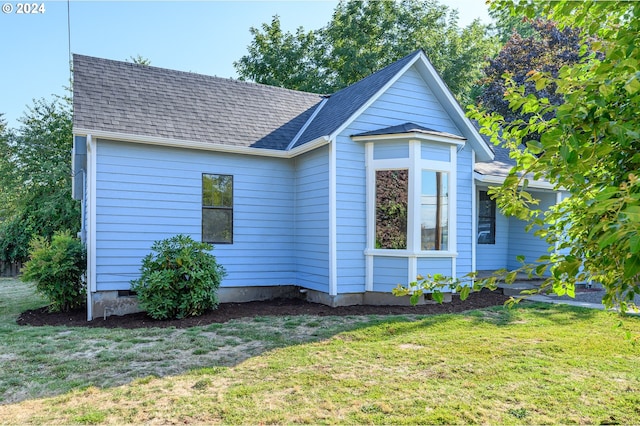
<point x="346" y="105"/>
<point x="140" y="100"/>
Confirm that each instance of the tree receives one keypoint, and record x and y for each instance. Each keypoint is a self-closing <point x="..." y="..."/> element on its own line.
<point x="281" y="59"/>
<point x="547" y="50"/>
<point x="35" y="179"/>
<point x="363" y="37"/>
<point x="140" y="60"/>
<point x="590" y="148"/>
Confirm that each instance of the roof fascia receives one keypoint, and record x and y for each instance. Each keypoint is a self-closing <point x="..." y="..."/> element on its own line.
<point x="499" y="180"/>
<point x="483" y="152"/>
<point x="373" y="98"/>
<point x="410" y="136"/>
<point x="204" y="146"/>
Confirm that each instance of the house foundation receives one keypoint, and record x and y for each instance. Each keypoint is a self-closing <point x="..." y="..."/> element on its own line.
<point x="107" y="303"/>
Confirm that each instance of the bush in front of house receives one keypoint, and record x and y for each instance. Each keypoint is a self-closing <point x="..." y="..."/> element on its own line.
<point x="57" y="268"/>
<point x="179" y="279"/>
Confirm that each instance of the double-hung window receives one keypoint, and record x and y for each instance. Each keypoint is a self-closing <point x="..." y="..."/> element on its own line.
<point x="217" y="208"/>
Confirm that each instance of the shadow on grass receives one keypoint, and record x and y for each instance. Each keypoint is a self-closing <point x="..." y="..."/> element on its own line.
<point x="49" y="361"/>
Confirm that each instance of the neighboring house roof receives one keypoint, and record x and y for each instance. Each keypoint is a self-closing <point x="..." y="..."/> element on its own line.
<point x="408" y="128"/>
<point x="500" y="166"/>
<point x="134" y="99"/>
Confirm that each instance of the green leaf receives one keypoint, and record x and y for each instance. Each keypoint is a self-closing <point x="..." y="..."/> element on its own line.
<point x="464" y="293"/>
<point x="631" y="266"/>
<point x="634" y="244"/>
<point x="632" y="213"/>
<point x="633" y="85"/>
<point x="438" y="296"/>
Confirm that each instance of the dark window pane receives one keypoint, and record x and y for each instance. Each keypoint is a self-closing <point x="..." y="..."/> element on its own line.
<point x="434" y="211"/>
<point x="217" y="208"/>
<point x="217" y="225"/>
<point x="217" y="190"/>
<point x="486" y="219"/>
<point x="392" y="201"/>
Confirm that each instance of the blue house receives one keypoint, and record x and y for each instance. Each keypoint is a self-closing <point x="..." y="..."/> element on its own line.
<point x="337" y="197"/>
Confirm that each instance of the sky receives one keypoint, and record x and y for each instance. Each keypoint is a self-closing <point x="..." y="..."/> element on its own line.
<point x="198" y="36"/>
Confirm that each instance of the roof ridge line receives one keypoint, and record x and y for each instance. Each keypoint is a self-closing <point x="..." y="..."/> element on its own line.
<point x="197" y="74"/>
<point x="306" y="124"/>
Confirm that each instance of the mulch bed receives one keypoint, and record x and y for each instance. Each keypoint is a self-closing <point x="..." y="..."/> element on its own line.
<point x="276" y="307"/>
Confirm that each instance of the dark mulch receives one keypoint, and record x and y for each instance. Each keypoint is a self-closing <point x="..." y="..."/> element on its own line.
<point x="276" y="307"/>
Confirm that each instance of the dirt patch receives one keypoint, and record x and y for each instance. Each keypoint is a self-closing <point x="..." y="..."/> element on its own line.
<point x="276" y="307"/>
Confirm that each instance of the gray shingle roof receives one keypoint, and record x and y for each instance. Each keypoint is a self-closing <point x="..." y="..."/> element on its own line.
<point x="408" y="128"/>
<point x="344" y="103"/>
<point x="148" y="101"/>
<point x="500" y="166"/>
<point x="133" y="99"/>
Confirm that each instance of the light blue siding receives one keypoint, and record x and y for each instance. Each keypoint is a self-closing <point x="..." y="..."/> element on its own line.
<point x="435" y="265"/>
<point x="434" y="151"/>
<point x="494" y="256"/>
<point x="351" y="224"/>
<point x="522" y="243"/>
<point x="388" y="272"/>
<point x="388" y="150"/>
<point x="312" y="220"/>
<point x="146" y="193"/>
<point x="464" y="211"/>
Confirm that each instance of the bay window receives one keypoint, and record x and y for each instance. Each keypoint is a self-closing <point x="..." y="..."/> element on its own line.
<point x="411" y="198"/>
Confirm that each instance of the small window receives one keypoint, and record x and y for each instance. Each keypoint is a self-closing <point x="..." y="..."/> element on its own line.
<point x="486" y="219"/>
<point x="217" y="209"/>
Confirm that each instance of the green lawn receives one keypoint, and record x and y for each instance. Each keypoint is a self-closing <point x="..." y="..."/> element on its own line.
<point x="532" y="364"/>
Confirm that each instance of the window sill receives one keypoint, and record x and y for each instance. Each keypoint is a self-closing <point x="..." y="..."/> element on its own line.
<point x="407" y="253"/>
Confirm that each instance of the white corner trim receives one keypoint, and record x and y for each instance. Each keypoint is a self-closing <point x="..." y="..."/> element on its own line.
<point x="333" y="234"/>
<point x="92" y="156"/>
<point x="205" y="146"/>
<point x="474" y="215"/>
<point x="306" y="124"/>
<point x="453" y="202"/>
<point x="370" y="214"/>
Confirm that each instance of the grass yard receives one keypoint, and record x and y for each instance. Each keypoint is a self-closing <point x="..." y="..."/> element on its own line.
<point x="532" y="364"/>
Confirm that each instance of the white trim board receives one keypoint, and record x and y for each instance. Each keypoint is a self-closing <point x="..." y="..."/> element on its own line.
<point x="205" y="146"/>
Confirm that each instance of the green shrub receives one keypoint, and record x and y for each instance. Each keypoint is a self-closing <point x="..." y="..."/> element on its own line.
<point x="179" y="280"/>
<point x="57" y="269"/>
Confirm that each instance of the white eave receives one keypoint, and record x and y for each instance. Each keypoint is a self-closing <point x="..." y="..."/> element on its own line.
<point x="205" y="146"/>
<point x="499" y="180"/>
<point x="426" y="136"/>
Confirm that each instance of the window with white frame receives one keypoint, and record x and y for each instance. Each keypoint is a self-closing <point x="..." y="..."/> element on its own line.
<point x="434" y="211"/>
<point x="411" y="202"/>
<point x="392" y="209"/>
